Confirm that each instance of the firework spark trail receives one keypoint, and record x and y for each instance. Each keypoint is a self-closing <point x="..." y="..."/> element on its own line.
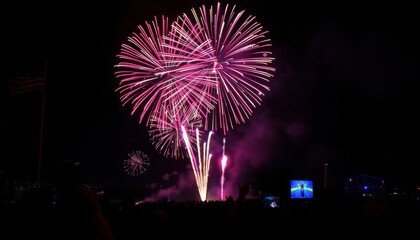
<point x="201" y="163"/>
<point x="222" y="180"/>
<point x="224" y="146"/>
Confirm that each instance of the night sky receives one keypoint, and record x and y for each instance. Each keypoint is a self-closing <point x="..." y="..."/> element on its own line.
<point x="345" y="92"/>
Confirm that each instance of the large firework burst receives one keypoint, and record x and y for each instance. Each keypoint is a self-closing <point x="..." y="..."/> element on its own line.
<point x="231" y="53"/>
<point x="209" y="68"/>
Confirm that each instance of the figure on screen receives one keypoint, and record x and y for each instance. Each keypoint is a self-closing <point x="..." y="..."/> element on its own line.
<point x="302" y="189"/>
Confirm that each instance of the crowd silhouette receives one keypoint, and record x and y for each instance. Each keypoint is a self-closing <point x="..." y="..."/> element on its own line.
<point x="70" y="209"/>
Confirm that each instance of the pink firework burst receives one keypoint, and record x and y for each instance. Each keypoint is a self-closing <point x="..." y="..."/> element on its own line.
<point x="230" y="52"/>
<point x="209" y="68"/>
<point x="136" y="163"/>
<point x="165" y="131"/>
<point x="149" y="73"/>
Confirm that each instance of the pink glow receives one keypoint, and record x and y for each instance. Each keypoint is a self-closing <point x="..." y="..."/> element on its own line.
<point x="222" y="180"/>
<point x="224" y="161"/>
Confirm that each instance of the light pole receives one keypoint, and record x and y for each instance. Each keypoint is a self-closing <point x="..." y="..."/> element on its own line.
<point x="325" y="174"/>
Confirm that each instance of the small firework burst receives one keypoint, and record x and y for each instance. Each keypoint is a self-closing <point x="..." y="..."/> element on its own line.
<point x="165" y="131"/>
<point x="136" y="163"/>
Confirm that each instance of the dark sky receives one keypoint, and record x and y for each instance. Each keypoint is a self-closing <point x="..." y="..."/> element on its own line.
<point x="345" y="91"/>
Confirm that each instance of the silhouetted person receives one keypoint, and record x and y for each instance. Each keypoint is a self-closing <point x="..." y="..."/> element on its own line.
<point x="243" y="191"/>
<point x="79" y="211"/>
